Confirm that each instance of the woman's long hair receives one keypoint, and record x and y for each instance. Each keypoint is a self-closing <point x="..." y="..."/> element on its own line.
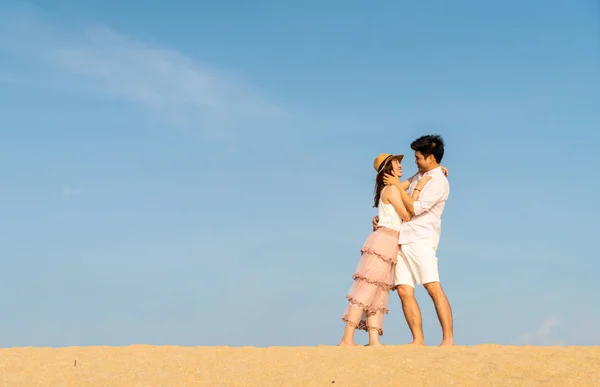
<point x="379" y="184"/>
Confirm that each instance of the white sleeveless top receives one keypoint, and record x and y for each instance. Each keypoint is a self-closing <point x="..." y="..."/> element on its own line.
<point x="388" y="217"/>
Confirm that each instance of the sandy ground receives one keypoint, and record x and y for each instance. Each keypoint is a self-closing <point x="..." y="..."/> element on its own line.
<point x="143" y="365"/>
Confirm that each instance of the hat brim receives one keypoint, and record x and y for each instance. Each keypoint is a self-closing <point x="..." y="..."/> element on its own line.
<point x="397" y="157"/>
<point x="389" y="159"/>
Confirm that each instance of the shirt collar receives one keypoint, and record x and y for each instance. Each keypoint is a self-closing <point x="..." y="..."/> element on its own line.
<point x="434" y="171"/>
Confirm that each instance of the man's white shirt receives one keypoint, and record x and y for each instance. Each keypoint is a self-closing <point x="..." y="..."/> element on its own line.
<point x="426" y="223"/>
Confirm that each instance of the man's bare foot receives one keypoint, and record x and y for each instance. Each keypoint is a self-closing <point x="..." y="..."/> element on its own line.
<point x="375" y="344"/>
<point x="348" y="344"/>
<point x="447" y="343"/>
<point x="417" y="342"/>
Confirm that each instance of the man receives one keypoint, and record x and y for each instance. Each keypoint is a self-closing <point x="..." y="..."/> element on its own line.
<point x="419" y="239"/>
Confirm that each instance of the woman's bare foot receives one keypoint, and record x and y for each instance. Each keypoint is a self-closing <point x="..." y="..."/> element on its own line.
<point x="447" y="343"/>
<point x="417" y="342"/>
<point x="345" y="343"/>
<point x="375" y="344"/>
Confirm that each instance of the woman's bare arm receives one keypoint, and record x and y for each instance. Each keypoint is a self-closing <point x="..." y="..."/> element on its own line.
<point x="393" y="196"/>
<point x="419" y="187"/>
<point x="406" y="183"/>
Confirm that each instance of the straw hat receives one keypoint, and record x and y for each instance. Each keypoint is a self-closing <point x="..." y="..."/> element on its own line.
<point x="383" y="159"/>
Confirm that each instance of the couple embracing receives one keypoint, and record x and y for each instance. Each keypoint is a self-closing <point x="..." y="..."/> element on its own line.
<point x="401" y="251"/>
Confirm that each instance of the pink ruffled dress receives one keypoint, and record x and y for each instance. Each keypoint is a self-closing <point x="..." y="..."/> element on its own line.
<point x="374" y="275"/>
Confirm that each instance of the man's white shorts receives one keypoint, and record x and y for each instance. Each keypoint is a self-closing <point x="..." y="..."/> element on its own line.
<point x="417" y="264"/>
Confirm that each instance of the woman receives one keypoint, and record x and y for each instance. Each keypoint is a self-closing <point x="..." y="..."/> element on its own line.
<point x="373" y="279"/>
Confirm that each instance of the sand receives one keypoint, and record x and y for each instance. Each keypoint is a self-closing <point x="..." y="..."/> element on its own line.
<point x="144" y="365"/>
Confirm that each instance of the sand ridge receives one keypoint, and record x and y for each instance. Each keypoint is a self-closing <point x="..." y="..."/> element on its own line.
<point x="404" y="365"/>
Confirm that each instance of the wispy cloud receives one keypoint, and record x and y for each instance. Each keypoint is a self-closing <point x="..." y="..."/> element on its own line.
<point x="176" y="88"/>
<point x="69" y="193"/>
<point x="543" y="335"/>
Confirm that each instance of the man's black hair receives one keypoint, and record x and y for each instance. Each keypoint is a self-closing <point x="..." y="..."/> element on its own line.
<point x="430" y="145"/>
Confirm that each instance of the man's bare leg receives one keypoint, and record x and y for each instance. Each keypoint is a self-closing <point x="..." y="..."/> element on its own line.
<point x="354" y="314"/>
<point x="443" y="310"/>
<point x="412" y="313"/>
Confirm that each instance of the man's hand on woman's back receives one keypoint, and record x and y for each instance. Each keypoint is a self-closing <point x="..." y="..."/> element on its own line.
<point x="375" y="221"/>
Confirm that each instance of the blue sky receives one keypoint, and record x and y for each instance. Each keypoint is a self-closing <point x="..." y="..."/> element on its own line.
<point x="200" y="173"/>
